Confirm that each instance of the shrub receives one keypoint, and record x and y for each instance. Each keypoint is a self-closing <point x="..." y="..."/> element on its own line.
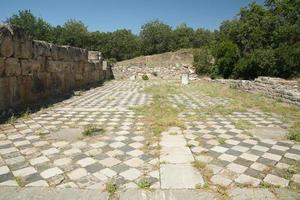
<point x="227" y="54"/>
<point x="91" y="130"/>
<point x="203" y="61"/>
<point x="145" y="77"/>
<point x="261" y="62"/>
<point x="288" y="62"/>
<point x="294" y="133"/>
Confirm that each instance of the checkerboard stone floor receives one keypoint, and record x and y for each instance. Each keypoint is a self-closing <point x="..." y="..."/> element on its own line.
<point x="241" y="159"/>
<point x="29" y="153"/>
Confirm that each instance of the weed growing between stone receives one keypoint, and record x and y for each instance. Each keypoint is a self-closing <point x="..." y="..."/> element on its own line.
<point x="159" y="115"/>
<point x="91" y="130"/>
<point x="12" y="120"/>
<point x="240" y="101"/>
<point x="144" y="183"/>
<point x="204" y="170"/>
<point x="294" y="133"/>
<point x="111" y="187"/>
<point x="20" y="181"/>
<point x="243" y="124"/>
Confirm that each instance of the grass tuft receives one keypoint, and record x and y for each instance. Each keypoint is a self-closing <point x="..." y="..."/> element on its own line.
<point x="20" y="181"/>
<point x="111" y="187"/>
<point x="243" y="124"/>
<point x="159" y="115"/>
<point x="144" y="183"/>
<point x="91" y="130"/>
<point x="294" y="133"/>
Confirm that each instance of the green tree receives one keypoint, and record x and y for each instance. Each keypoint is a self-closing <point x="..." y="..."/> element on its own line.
<point x="183" y="36"/>
<point x="75" y="33"/>
<point x="36" y="27"/>
<point x="156" y="37"/>
<point x="227" y="55"/>
<point x="203" y="61"/>
<point x="123" y="45"/>
<point x="202" y="38"/>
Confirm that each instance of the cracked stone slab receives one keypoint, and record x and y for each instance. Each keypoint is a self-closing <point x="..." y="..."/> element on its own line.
<point x="46" y="193"/>
<point x="251" y="193"/>
<point x="179" y="176"/>
<point x="183" y="194"/>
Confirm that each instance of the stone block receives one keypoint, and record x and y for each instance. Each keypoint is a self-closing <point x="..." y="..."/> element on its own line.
<point x="14" y="90"/>
<point x="25" y="83"/>
<point x="12" y="67"/>
<point x="4" y="93"/>
<point x="94" y="56"/>
<point x="54" y="51"/>
<point x="84" y="55"/>
<point x="41" y="48"/>
<point x="30" y="66"/>
<point x="62" y="53"/>
<point x="6" y="42"/>
<point x="2" y="69"/>
<point x="22" y="43"/>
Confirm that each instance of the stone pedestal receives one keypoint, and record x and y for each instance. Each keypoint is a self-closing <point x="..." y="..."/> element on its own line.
<point x="185" y="79"/>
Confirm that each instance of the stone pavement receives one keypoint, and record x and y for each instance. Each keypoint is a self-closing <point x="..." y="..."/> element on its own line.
<point x="46" y="149"/>
<point x="30" y="156"/>
<point x="45" y="193"/>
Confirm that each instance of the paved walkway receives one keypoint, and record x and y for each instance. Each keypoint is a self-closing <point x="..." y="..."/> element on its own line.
<point x="47" y="149"/>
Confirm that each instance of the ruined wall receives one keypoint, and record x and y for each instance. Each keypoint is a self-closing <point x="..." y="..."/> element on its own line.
<point x="31" y="70"/>
<point x="161" y="72"/>
<point x="169" y="65"/>
<point x="276" y="88"/>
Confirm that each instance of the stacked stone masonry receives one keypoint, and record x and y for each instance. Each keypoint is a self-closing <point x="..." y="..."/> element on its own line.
<point x="276" y="88"/>
<point x="164" y="71"/>
<point x="31" y="70"/>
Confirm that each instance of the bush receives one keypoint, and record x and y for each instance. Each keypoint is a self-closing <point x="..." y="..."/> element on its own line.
<point x="145" y="77"/>
<point x="227" y="54"/>
<point x="288" y="61"/>
<point x="203" y="61"/>
<point x="261" y="62"/>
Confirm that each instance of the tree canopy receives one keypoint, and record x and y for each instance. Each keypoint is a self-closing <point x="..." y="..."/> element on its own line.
<point x="154" y="37"/>
<point x="262" y="41"/>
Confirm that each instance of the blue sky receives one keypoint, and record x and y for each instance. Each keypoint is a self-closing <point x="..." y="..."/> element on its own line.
<point x="109" y="15"/>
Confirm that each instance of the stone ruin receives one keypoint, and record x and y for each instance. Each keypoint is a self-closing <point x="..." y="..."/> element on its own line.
<point x="31" y="70"/>
<point x="276" y="88"/>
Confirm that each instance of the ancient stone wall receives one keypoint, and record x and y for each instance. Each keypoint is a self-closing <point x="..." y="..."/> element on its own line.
<point x="276" y="88"/>
<point x="31" y="70"/>
<point x="162" y="72"/>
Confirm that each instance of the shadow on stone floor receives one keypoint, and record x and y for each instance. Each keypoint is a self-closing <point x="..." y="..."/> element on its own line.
<point x="47" y="102"/>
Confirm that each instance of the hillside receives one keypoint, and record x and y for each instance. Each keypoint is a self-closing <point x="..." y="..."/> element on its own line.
<point x="168" y="65"/>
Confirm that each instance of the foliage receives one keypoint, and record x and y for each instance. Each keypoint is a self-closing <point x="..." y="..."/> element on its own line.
<point x="145" y="77"/>
<point x="111" y="187"/>
<point x="74" y="33"/>
<point x="144" y="183"/>
<point x="122" y="44"/>
<point x="294" y="133"/>
<point x="203" y="61"/>
<point x="227" y="54"/>
<point x="36" y="27"/>
<point x="92" y="130"/>
<point x="156" y="37"/>
<point x="263" y="40"/>
<point x="183" y="36"/>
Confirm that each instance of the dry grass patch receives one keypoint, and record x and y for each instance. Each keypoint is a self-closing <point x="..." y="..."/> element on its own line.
<point x="241" y="101"/>
<point x="159" y="115"/>
<point x="243" y="124"/>
<point x="203" y="169"/>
